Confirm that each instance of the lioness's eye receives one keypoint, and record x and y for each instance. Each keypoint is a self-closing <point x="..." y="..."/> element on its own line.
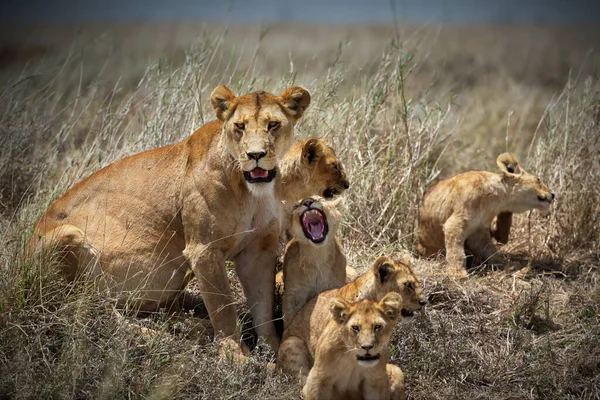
<point x="377" y="328"/>
<point x="273" y="125"/>
<point x="240" y="125"/>
<point x="410" y="285"/>
<point x="356" y="328"/>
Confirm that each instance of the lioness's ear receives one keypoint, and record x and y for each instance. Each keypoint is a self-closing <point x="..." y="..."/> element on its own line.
<point x="383" y="268"/>
<point x="339" y="309"/>
<point x="220" y="99"/>
<point x="508" y="164"/>
<point x="311" y="151"/>
<point x="391" y="304"/>
<point x="295" y="101"/>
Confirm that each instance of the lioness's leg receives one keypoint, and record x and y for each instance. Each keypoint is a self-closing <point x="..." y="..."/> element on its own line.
<point x="455" y="236"/>
<point x="481" y="245"/>
<point x="396" y="380"/>
<point x="501" y="231"/>
<point x="294" y="358"/>
<point x="255" y="266"/>
<point x="209" y="269"/>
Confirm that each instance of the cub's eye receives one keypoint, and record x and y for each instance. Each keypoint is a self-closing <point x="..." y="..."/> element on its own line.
<point x="240" y="125"/>
<point x="336" y="166"/>
<point x="273" y="125"/>
<point x="376" y="328"/>
<point x="356" y="328"/>
<point x="410" y="285"/>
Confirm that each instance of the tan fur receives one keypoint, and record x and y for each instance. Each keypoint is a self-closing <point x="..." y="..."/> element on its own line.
<point x="150" y="222"/>
<point x="356" y="330"/>
<point x="458" y="212"/>
<point x="300" y="338"/>
<point x="311" y="268"/>
<point x="310" y="167"/>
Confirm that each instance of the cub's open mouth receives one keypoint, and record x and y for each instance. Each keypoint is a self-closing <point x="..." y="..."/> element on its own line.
<point x="368" y="357"/>
<point x="314" y="225"/>
<point x="406" y="313"/>
<point x="259" y="175"/>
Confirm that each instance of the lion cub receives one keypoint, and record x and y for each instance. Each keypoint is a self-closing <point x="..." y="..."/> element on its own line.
<point x="457" y="213"/>
<point x="297" y="349"/>
<point x="313" y="260"/>
<point x="350" y="361"/>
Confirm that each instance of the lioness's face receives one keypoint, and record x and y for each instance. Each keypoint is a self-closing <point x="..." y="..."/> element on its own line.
<point x="315" y="219"/>
<point x="327" y="176"/>
<point x="528" y="191"/>
<point x="366" y="326"/>
<point x="258" y="129"/>
<point x="398" y="277"/>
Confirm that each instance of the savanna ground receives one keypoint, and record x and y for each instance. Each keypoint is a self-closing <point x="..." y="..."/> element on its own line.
<point x="403" y="106"/>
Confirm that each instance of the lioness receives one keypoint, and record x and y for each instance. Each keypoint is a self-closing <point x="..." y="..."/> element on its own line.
<point x="149" y="222"/>
<point x="313" y="260"/>
<point x="297" y="350"/>
<point x="350" y="360"/>
<point x="458" y="212"/>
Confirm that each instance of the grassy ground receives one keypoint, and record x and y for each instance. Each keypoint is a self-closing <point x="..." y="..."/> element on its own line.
<point x="402" y="107"/>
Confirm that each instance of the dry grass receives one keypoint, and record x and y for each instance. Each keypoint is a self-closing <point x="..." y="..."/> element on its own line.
<point x="403" y="108"/>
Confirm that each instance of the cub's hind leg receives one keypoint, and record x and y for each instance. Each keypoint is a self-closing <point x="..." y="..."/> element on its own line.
<point x="481" y="245"/>
<point x="70" y="247"/>
<point x="455" y="235"/>
<point x="294" y="358"/>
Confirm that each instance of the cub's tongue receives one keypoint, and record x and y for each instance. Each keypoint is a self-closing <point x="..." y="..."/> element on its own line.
<point x="314" y="224"/>
<point x="257" y="173"/>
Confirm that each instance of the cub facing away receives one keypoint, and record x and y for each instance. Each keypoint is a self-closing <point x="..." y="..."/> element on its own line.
<point x="150" y="222"/>
<point x="457" y="213"/>
<point x="351" y="354"/>
<point x="297" y="350"/>
<point x="313" y="260"/>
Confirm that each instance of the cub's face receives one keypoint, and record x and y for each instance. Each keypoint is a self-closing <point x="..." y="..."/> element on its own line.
<point x="327" y="174"/>
<point x="527" y="189"/>
<point x="366" y="326"/>
<point x="315" y="220"/>
<point x="398" y="277"/>
<point x="258" y="129"/>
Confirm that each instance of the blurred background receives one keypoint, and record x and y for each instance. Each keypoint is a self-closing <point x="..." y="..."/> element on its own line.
<point x="407" y="92"/>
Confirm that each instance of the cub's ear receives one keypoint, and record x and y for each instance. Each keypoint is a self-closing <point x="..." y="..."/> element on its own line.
<point x="340" y="309"/>
<point x="406" y="260"/>
<point x="509" y="164"/>
<point x="295" y="101"/>
<point x="391" y="305"/>
<point x="312" y="150"/>
<point x="383" y="268"/>
<point x="221" y="99"/>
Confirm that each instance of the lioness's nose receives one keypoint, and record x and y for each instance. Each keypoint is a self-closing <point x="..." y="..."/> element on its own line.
<point x="367" y="347"/>
<point x="256" y="155"/>
<point x="553" y="196"/>
<point x="346" y="184"/>
<point x="422" y="302"/>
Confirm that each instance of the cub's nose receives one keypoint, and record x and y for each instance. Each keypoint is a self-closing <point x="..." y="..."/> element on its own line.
<point x="367" y="347"/>
<point x="553" y="196"/>
<point x="346" y="184"/>
<point x="256" y="155"/>
<point x="422" y="302"/>
<point x="307" y="201"/>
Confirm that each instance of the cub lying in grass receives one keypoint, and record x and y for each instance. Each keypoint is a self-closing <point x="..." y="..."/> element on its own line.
<point x="297" y="349"/>
<point x="350" y="361"/>
<point x="458" y="212"/>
